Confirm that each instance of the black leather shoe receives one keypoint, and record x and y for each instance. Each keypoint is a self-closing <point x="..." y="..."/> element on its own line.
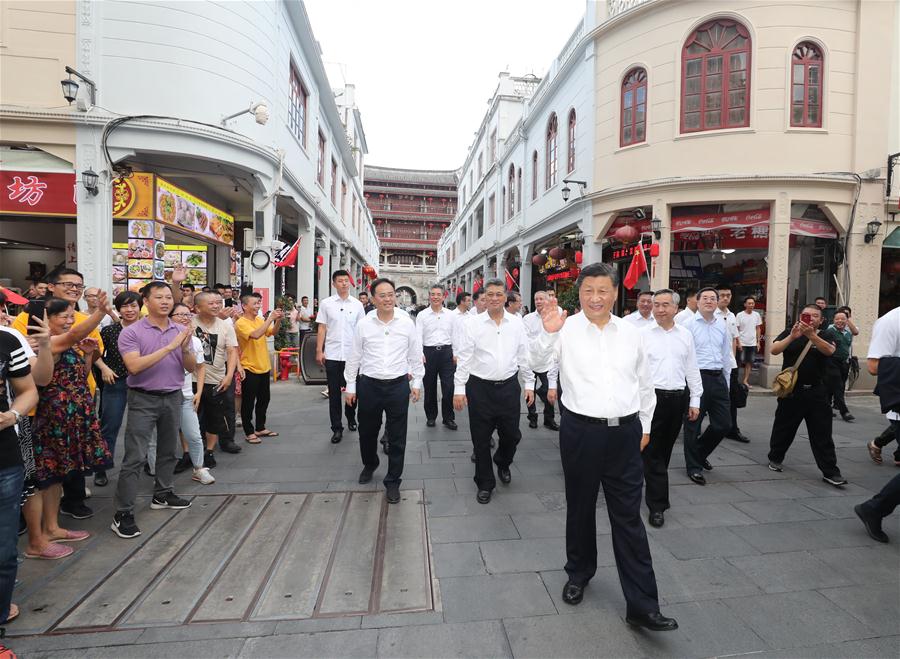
<point x="365" y="476"/>
<point x="657" y="519"/>
<point x="183" y="464"/>
<point x="697" y="478"/>
<point x="351" y="427"/>
<point x="738" y="436"/>
<point x="229" y="447"/>
<point x="483" y="496"/>
<point x="655" y="622"/>
<point x="384" y="444"/>
<point x="532" y="423"/>
<point x="873" y="526"/>
<point x="431" y="423"/>
<point x="101" y="479"/>
<point x="451" y="424"/>
<point x="504" y="475"/>
<point x="337" y="436"/>
<point x="393" y="493"/>
<point x="572" y="593"/>
<point x="472" y="457"/>
<point x="552" y="425"/>
<point x="849" y="418"/>
<point x="707" y="465"/>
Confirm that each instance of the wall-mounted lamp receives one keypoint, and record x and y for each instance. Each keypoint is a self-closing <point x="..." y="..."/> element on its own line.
<point x="260" y="112"/>
<point x="70" y="88"/>
<point x="566" y="191"/>
<point x="656" y="226"/>
<point x="89" y="179"/>
<point x="872" y="230"/>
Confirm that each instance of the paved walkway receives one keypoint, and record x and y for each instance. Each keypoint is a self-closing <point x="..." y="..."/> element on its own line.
<point x="754" y="563"/>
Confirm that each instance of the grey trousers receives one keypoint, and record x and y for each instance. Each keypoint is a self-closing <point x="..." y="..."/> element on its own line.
<point x="147" y="414"/>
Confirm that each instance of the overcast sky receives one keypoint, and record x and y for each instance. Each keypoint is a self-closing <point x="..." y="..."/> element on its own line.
<point x="425" y="69"/>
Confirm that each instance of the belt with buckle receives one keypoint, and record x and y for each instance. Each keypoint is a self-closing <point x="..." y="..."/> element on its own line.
<point x="440" y="347"/>
<point x="156" y="393"/>
<point x="612" y="423"/>
<point x="670" y="393"/>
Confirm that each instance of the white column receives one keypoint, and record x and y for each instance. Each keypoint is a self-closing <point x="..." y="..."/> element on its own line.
<point x="306" y="263"/>
<point x="659" y="268"/>
<point x="776" y="282"/>
<point x="264" y="279"/>
<point x="525" y="274"/>
<point x="94" y="233"/>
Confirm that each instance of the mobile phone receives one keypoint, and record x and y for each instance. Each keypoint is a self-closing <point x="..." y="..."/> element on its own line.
<point x="35" y="309"/>
<point x="806" y="318"/>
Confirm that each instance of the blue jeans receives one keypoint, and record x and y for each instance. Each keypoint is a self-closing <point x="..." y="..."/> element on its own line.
<point x="112" y="410"/>
<point x="11" y="481"/>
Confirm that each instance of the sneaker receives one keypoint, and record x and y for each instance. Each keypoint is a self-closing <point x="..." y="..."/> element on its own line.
<point x="123" y="525"/>
<point x="169" y="502"/>
<point x="837" y="481"/>
<point x="209" y="459"/>
<point x="776" y="466"/>
<point x="203" y="476"/>
<point x="76" y="511"/>
<point x="183" y="464"/>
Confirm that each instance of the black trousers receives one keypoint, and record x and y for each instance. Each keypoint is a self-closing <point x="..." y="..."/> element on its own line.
<point x="439" y="363"/>
<point x="541" y="392"/>
<point x="716" y="402"/>
<point x="884" y="503"/>
<point x="391" y="398"/>
<point x="837" y="383"/>
<point x="733" y="383"/>
<point x="808" y="404"/>
<point x="890" y="434"/>
<point x="216" y="412"/>
<point x="667" y="420"/>
<point x="594" y="455"/>
<point x="255" y="395"/>
<point x="493" y="406"/>
<point x="73" y="489"/>
<point x="334" y="371"/>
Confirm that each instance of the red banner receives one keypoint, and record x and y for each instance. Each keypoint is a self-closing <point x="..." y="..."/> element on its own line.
<point x="813" y="228"/>
<point x="37" y="193"/>
<point x="715" y="221"/>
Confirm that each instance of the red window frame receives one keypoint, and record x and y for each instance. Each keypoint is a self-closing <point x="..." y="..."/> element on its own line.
<point x="570" y="160"/>
<point x="551" y="151"/>
<point x="808" y="61"/>
<point x="534" y="175"/>
<point x="713" y="92"/>
<point x="633" y="107"/>
<point x="511" y="185"/>
<point x="297" y="107"/>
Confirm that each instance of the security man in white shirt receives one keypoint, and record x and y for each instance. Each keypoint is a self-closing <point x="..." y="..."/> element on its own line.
<point x="435" y="327"/>
<point x="643" y="317"/>
<point x="337" y="319"/>
<point x="690" y="307"/>
<point x="546" y="373"/>
<point x="493" y="349"/>
<point x="607" y="406"/>
<point x="386" y="354"/>
<point x="670" y="350"/>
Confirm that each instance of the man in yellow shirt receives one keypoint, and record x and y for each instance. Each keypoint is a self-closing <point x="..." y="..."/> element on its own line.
<point x="252" y="330"/>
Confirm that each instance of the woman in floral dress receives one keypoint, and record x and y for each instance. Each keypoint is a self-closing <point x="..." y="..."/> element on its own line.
<point x="66" y="431"/>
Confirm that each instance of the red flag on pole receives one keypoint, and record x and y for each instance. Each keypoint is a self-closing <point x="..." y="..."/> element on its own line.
<point x="636" y="269"/>
<point x="286" y="257"/>
<point x="510" y="281"/>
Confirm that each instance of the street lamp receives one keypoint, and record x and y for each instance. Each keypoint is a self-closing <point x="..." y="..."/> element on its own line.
<point x="872" y="230"/>
<point x="259" y="110"/>
<point x="70" y="87"/>
<point x="656" y="226"/>
<point x="566" y="191"/>
<point x="89" y="179"/>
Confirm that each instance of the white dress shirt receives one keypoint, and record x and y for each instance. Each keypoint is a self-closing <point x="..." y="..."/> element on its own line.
<point x="673" y="360"/>
<point x="492" y="352"/>
<point x="733" y="331"/>
<point x="473" y="311"/>
<point x="636" y="319"/>
<point x="684" y="316"/>
<point x="712" y="342"/>
<point x="459" y="319"/>
<point x="435" y="329"/>
<point x="340" y="317"/>
<point x="385" y="351"/>
<point x="604" y="373"/>
<point x="534" y="326"/>
<point x="886" y="342"/>
<point x="303" y="311"/>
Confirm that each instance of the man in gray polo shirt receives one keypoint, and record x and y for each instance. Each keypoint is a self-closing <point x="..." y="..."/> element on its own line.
<point x="156" y="352"/>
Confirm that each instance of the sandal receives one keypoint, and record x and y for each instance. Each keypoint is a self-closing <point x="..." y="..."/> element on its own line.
<point x="13" y="613"/>
<point x="52" y="552"/>
<point x="267" y="433"/>
<point x="253" y="439"/>
<point x="73" y="536"/>
<point x="874" y="452"/>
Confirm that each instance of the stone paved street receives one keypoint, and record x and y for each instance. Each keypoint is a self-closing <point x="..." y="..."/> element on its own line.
<point x="291" y="557"/>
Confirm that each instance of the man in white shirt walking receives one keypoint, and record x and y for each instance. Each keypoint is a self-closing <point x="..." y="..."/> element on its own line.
<point x="545" y="372"/>
<point x="643" y="317"/>
<point x="337" y="319"/>
<point x="690" y="307"/>
<point x="670" y="351"/>
<point x="386" y="353"/>
<point x="607" y="406"/>
<point x="435" y="328"/>
<point x="493" y="349"/>
<point x="749" y="325"/>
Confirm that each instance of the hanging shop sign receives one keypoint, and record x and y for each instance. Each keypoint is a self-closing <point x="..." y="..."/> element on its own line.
<point x="132" y="197"/>
<point x="38" y="193"/>
<point x="186" y="212"/>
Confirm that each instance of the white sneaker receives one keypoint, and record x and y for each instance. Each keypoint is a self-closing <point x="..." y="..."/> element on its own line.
<point x="203" y="476"/>
<point x="87" y="492"/>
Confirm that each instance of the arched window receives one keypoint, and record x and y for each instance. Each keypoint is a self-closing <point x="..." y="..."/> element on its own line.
<point x="570" y="160"/>
<point x="519" y="190"/>
<point x="634" y="108"/>
<point x="715" y="77"/>
<point x="511" y="185"/>
<point x="552" y="132"/>
<point x="806" y="85"/>
<point x="534" y="176"/>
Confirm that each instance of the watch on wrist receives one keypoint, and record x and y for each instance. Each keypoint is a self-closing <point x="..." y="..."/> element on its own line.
<point x="17" y="414"/>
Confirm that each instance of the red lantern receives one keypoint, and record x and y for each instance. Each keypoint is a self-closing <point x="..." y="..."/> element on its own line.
<point x="579" y="257"/>
<point x="540" y="260"/>
<point x="557" y="253"/>
<point x="626" y="234"/>
<point x="320" y="260"/>
<point x="515" y="273"/>
<point x="654" y="250"/>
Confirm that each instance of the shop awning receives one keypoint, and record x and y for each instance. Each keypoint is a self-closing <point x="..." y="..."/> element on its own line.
<point x="812" y="228"/>
<point x="893" y="239"/>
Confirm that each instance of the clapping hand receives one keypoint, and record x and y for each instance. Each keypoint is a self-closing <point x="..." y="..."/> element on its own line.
<point x="552" y="319"/>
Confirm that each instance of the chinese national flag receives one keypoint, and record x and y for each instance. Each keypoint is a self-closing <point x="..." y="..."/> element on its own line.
<point x="510" y="282"/>
<point x="636" y="269"/>
<point x="286" y="257"/>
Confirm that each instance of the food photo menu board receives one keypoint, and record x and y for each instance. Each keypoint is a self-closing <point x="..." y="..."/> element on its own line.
<point x="183" y="210"/>
<point x="141" y="259"/>
<point x="132" y="273"/>
<point x="192" y="257"/>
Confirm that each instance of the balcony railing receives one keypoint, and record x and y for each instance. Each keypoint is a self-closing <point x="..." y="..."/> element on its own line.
<point x="407" y="267"/>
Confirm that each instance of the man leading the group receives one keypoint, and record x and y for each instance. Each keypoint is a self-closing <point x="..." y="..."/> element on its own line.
<point x="607" y="406"/>
<point x="337" y="319"/>
<point x="672" y="360"/>
<point x="545" y="372"/>
<point x="435" y="328"/>
<point x="252" y="330"/>
<point x="386" y="351"/>
<point x="493" y="350"/>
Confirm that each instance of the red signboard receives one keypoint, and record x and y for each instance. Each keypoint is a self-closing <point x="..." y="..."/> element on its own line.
<point x="37" y="193"/>
<point x="813" y="228"/>
<point x="565" y="274"/>
<point x="715" y="221"/>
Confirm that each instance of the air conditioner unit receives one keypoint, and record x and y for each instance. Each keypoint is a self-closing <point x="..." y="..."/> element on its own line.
<point x="249" y="239"/>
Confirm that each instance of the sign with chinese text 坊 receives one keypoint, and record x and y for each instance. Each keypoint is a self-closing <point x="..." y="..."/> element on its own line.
<point x="37" y="193"/>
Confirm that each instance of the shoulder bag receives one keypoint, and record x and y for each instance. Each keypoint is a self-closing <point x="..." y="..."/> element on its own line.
<point x="784" y="383"/>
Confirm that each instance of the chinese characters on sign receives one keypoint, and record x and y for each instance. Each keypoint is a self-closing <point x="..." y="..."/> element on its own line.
<point x="27" y="192"/>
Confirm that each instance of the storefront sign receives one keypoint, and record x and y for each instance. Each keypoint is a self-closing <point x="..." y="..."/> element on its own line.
<point x="756" y="237"/>
<point x="566" y="274"/>
<point x="812" y="228"/>
<point x="132" y="197"/>
<point x="716" y="221"/>
<point x="627" y="251"/>
<point x="186" y="212"/>
<point x="37" y="193"/>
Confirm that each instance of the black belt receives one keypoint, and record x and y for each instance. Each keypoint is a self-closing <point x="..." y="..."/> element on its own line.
<point x="156" y="393"/>
<point x="441" y="347"/>
<point x="710" y="371"/>
<point x="612" y="423"/>
<point x="391" y="381"/>
<point x="670" y="393"/>
<point x="496" y="383"/>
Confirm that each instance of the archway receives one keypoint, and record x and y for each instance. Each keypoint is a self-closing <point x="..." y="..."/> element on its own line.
<point x="406" y="297"/>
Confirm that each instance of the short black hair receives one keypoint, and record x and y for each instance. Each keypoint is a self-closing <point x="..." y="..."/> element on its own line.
<point x="218" y="286"/>
<point x="477" y="294"/>
<point x="460" y="297"/>
<point x="648" y="292"/>
<point x="749" y="297"/>
<point x="190" y="287"/>
<point x="825" y="300"/>
<point x="146" y="290"/>
<point x="511" y="298"/>
<point x="175" y="308"/>
<point x="55" y="306"/>
<point x="847" y="310"/>
<point x="708" y="288"/>
<point x="339" y="273"/>
<point x="125" y="298"/>
<point x="59" y="273"/>
<point x="722" y="286"/>
<point x="382" y="280"/>
<point x="305" y="297"/>
<point x="361" y="293"/>
<point x="246" y="297"/>
<point x="597" y="270"/>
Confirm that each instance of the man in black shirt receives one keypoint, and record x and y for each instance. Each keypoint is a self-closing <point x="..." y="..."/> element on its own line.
<point x="809" y="400"/>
